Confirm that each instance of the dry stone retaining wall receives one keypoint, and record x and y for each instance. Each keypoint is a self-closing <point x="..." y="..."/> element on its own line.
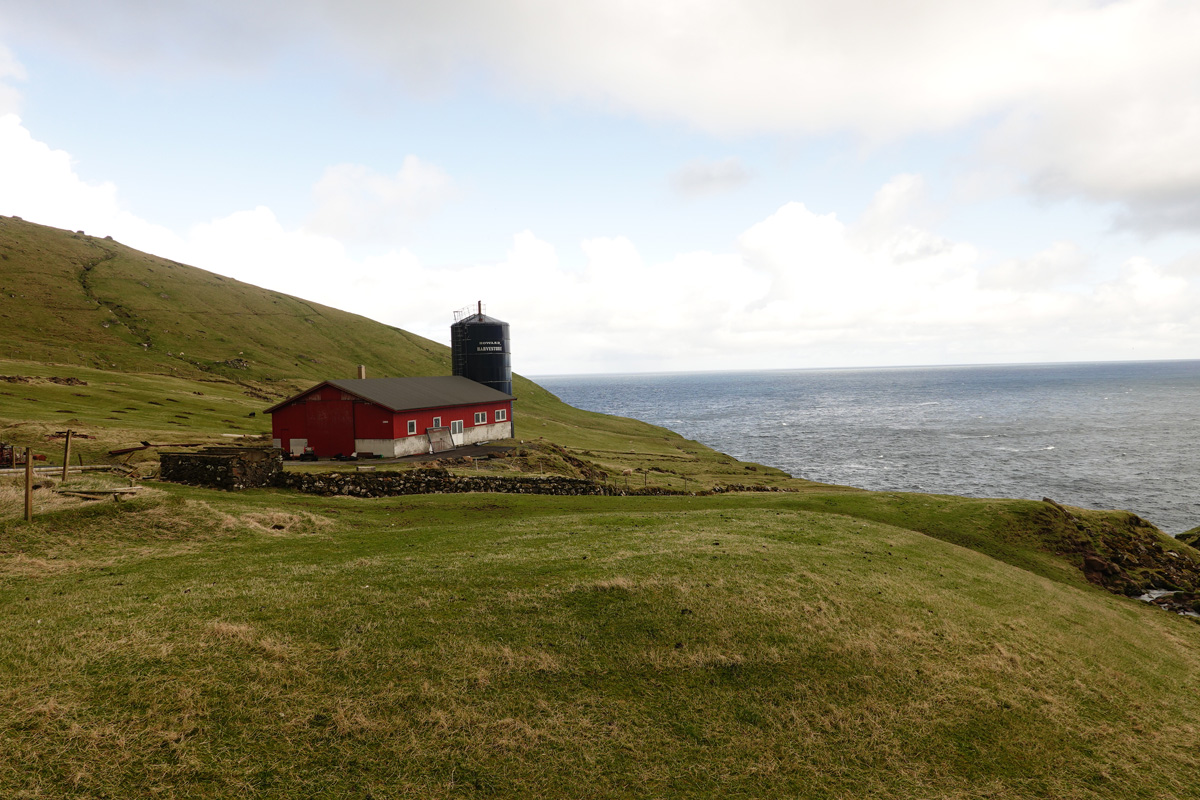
<point x="741" y="487"/>
<point x="440" y="481"/>
<point x="228" y="468"/>
<point x="234" y="468"/>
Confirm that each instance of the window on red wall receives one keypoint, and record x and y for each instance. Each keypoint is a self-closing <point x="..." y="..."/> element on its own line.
<point x="412" y="427"/>
<point x="480" y="417"/>
<point x="501" y="414"/>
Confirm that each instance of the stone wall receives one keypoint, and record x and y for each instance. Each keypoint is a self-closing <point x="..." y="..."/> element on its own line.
<point x="440" y="481"/>
<point x="235" y="468"/>
<point x="741" y="487"/>
<point x="228" y="468"/>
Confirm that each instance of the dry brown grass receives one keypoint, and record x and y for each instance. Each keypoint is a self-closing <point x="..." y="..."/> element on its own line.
<point x="21" y="565"/>
<point x="48" y="496"/>
<point x="240" y="633"/>
<point x="282" y="523"/>
<point x="12" y="498"/>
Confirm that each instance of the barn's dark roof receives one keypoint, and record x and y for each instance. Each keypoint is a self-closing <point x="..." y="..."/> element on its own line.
<point x="409" y="394"/>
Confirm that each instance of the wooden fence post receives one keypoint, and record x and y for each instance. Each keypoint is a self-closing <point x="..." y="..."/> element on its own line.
<point x="29" y="484"/>
<point x="66" y="455"/>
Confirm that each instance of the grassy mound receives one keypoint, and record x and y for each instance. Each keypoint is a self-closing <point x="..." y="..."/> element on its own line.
<point x="206" y="644"/>
<point x="1115" y="550"/>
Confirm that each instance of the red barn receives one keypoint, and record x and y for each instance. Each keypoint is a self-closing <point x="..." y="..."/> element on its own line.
<point x="391" y="416"/>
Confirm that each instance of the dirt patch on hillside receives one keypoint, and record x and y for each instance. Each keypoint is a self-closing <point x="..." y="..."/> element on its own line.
<point x="33" y="379"/>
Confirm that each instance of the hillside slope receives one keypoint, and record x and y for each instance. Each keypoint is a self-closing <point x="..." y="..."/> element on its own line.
<point x="94" y="302"/>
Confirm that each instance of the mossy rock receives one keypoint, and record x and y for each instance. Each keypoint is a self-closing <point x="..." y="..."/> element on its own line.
<point x="1190" y="538"/>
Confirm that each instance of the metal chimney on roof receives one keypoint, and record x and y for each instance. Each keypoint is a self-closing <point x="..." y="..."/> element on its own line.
<point x="362" y="371"/>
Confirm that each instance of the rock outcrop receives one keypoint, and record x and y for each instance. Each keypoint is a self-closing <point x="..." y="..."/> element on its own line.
<point x="1122" y="552"/>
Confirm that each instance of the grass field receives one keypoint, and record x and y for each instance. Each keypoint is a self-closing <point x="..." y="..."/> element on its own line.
<point x="197" y="643"/>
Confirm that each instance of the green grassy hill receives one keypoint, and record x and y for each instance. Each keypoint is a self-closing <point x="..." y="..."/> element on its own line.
<point x="195" y="643"/>
<point x="91" y="302"/>
<point x="819" y="642"/>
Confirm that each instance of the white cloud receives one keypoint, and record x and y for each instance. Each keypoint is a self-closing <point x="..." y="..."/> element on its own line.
<point x="1097" y="99"/>
<point x="1061" y="263"/>
<point x="824" y="275"/>
<point x="753" y="66"/>
<point x="10" y="70"/>
<point x="802" y="289"/>
<point x="875" y="66"/>
<point x="253" y="246"/>
<point x="180" y="37"/>
<point x="1084" y="97"/>
<point x="895" y="218"/>
<point x="40" y="184"/>
<point x="701" y="177"/>
<point x="354" y="202"/>
<point x="1150" y="292"/>
<point x="1118" y="116"/>
<point x="798" y="288"/>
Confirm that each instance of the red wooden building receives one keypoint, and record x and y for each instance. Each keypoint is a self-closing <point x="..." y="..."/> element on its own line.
<point x="391" y="416"/>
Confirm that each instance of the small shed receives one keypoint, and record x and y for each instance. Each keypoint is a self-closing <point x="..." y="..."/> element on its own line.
<point x="391" y="417"/>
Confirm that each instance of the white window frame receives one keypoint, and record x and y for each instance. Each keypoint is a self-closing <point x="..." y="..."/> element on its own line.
<point x="437" y="422"/>
<point x="481" y="418"/>
<point x="412" y="427"/>
<point x="501" y="414"/>
<point x="456" y="426"/>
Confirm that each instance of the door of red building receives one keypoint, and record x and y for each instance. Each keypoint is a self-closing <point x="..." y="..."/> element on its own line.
<point x="331" y="427"/>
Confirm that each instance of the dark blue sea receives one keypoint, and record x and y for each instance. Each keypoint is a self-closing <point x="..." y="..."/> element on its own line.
<point x="1102" y="435"/>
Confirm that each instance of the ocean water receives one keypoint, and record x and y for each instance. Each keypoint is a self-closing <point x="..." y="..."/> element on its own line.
<point x="1103" y="435"/>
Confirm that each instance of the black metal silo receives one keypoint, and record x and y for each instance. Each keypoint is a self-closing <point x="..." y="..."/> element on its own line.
<point x="479" y="350"/>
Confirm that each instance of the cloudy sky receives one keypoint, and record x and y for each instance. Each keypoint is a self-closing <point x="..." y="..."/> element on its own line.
<point x="644" y="186"/>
